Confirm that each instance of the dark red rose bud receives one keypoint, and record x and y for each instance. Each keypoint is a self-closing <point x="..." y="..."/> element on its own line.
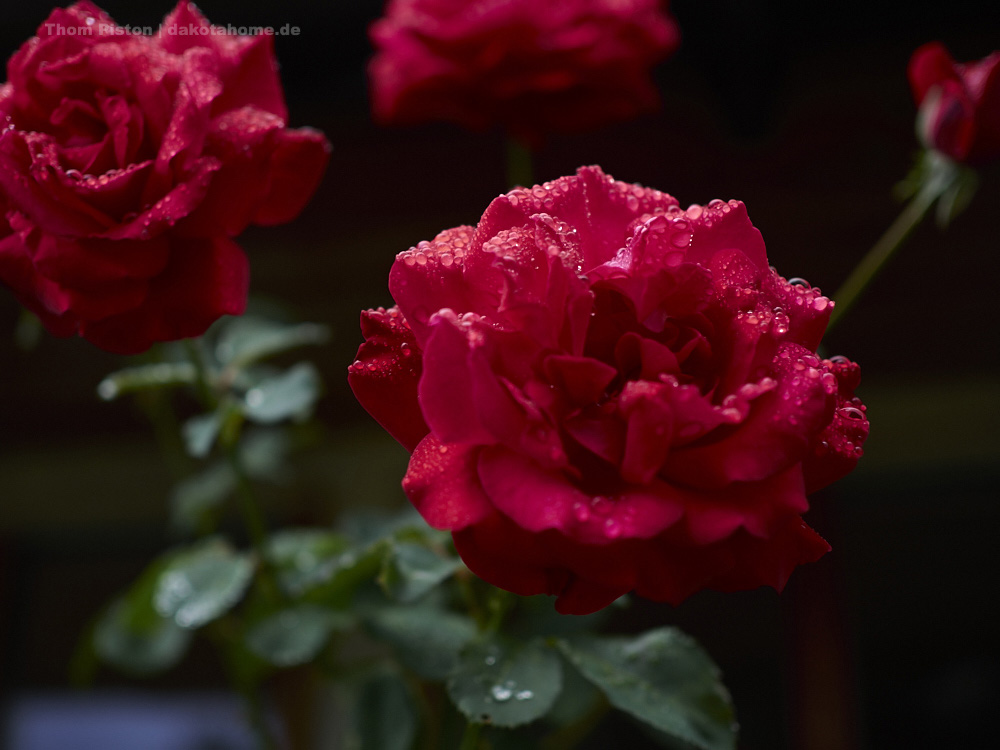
<point x="959" y="103"/>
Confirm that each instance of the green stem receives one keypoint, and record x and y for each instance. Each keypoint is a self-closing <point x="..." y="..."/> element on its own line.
<point x="519" y="164"/>
<point x="870" y="266"/>
<point x="470" y="739"/>
<point x="497" y="607"/>
<point x="225" y="634"/>
<point x="250" y="508"/>
<point x="571" y="735"/>
<point x="465" y="579"/>
<point x="204" y="388"/>
<point x="258" y="718"/>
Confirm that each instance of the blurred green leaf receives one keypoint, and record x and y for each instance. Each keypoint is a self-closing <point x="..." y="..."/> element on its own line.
<point x="143" y="377"/>
<point x="198" y="495"/>
<point x="426" y="639"/>
<point x="411" y="570"/>
<point x="662" y="678"/>
<point x="200" y="433"/>
<point x="264" y="451"/>
<point x="507" y="684"/>
<point x="202" y="583"/>
<point x="131" y="634"/>
<point x="386" y="717"/>
<point x="139" y="651"/>
<point x="290" y="394"/>
<point x="957" y="196"/>
<point x="304" y="558"/>
<point x="295" y="635"/>
<point x="243" y="341"/>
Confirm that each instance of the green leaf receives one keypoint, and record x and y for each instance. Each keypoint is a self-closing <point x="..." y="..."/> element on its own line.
<point x="249" y="339"/>
<point x="290" y="394"/>
<point x="200" y="433"/>
<point x="145" y="377"/>
<point x="506" y="685"/>
<point x="957" y="196"/>
<point x="305" y="558"/>
<point x="138" y="650"/>
<point x="264" y="452"/>
<point x="198" y="495"/>
<point x="132" y="636"/>
<point x="410" y="570"/>
<point x="662" y="678"/>
<point x="426" y="639"/>
<point x="295" y="635"/>
<point x="386" y="716"/>
<point x="202" y="583"/>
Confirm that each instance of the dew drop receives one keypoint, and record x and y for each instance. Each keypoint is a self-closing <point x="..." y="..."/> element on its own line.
<point x="680" y="239"/>
<point x="600" y="505"/>
<point x="501" y="693"/>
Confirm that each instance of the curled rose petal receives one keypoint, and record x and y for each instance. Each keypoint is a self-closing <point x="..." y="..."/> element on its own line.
<point x="385" y="375"/>
<point x="617" y="395"/>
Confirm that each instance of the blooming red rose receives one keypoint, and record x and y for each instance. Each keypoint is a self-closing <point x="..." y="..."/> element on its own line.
<point x="959" y="103"/>
<point x="532" y="66"/>
<point x="127" y="162"/>
<point x="603" y="393"/>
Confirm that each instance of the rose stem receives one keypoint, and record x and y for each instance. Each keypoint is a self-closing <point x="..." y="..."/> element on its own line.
<point x="470" y="739"/>
<point x="256" y="529"/>
<point x="519" y="164"/>
<point x="870" y="266"/>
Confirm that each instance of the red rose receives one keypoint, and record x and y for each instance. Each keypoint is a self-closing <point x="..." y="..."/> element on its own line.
<point x="605" y="393"/>
<point x="126" y="164"/>
<point x="533" y="66"/>
<point x="959" y="103"/>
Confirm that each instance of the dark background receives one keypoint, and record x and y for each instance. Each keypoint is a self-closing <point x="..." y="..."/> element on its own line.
<point x="800" y="110"/>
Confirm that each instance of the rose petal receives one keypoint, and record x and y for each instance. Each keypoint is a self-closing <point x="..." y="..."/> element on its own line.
<point x="204" y="280"/>
<point x="442" y="484"/>
<point x="774" y="436"/>
<point x="385" y="374"/>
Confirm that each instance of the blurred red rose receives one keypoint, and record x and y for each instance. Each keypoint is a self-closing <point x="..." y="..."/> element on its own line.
<point x="603" y="393"/>
<point x="959" y="103"/>
<point x="532" y="66"/>
<point x="126" y="164"/>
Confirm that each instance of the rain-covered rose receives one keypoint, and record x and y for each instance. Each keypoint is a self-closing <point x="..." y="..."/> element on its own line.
<point x="532" y="66"/>
<point x="127" y="162"/>
<point x="604" y="392"/>
<point x="959" y="103"/>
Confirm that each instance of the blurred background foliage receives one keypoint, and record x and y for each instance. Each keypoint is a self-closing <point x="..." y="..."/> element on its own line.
<point x="800" y="110"/>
